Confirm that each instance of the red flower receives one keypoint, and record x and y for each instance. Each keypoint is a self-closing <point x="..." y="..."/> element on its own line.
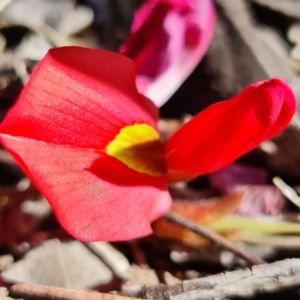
<point x="168" y="39"/>
<point x="90" y="142"/>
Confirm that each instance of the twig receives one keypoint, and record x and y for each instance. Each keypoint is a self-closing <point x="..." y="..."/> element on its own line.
<point x="247" y="283"/>
<point x="267" y="278"/>
<point x="213" y="236"/>
<point x="39" y="292"/>
<point x="287" y="191"/>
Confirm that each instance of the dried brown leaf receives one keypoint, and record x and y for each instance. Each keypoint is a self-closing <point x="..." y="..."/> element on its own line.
<point x="200" y="212"/>
<point x="55" y="263"/>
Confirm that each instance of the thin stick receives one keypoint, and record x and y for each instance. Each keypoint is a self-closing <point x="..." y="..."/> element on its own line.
<point x="39" y="292"/>
<point x="4" y="4"/>
<point x="287" y="191"/>
<point x="213" y="236"/>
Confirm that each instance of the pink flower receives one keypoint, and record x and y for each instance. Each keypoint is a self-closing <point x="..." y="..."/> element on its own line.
<point x="168" y="39"/>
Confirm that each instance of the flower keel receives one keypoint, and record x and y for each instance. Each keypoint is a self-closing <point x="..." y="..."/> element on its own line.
<point x="226" y="130"/>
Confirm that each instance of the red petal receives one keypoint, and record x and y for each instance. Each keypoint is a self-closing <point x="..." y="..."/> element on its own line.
<point x="80" y="97"/>
<point x="94" y="196"/>
<point x="76" y="101"/>
<point x="167" y="41"/>
<point x="224" y="131"/>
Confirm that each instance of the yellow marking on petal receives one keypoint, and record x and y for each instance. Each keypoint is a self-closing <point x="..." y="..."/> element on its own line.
<point x="139" y="148"/>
